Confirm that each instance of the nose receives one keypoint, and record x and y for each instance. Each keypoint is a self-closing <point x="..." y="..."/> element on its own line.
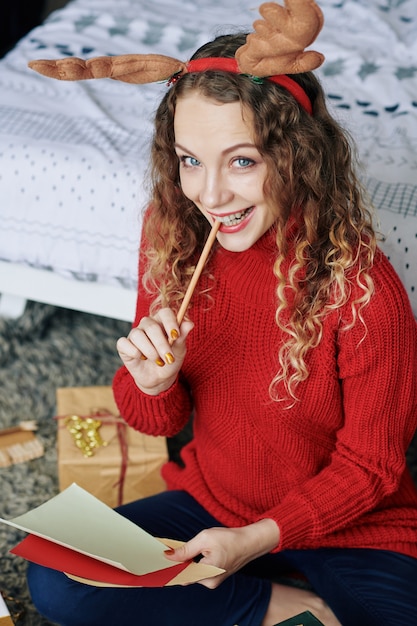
<point x="215" y="191"/>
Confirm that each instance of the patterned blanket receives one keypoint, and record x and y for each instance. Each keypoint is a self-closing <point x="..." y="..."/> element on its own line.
<point x="73" y="156"/>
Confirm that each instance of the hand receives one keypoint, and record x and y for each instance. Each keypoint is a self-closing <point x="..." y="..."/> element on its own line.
<point x="154" y="351"/>
<point x="228" y="548"/>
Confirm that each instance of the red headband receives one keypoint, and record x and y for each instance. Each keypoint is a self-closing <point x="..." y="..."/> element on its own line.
<point x="231" y="65"/>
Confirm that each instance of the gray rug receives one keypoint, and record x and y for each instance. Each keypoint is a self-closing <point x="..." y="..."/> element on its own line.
<point x="48" y="348"/>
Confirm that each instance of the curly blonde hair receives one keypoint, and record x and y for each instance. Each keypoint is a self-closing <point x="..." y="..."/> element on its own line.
<point x="311" y="177"/>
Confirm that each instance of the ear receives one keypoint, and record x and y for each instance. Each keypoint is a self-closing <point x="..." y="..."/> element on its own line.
<point x="129" y="68"/>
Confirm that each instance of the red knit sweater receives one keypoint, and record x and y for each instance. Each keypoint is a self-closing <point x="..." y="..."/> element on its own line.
<point x="330" y="470"/>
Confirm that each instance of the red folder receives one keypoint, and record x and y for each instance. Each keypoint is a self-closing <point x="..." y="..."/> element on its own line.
<point x="55" y="556"/>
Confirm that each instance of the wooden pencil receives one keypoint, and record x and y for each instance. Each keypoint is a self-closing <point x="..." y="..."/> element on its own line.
<point x="199" y="268"/>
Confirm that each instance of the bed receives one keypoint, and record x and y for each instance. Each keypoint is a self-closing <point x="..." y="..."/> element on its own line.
<point x="73" y="156"/>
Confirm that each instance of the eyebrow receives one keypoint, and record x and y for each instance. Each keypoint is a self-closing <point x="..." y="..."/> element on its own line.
<point x="237" y="146"/>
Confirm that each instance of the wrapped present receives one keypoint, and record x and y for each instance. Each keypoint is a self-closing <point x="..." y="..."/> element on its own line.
<point x="5" y="618"/>
<point x="101" y="453"/>
<point x="19" y="443"/>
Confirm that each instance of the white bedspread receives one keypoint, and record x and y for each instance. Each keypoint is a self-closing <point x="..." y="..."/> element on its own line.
<point x="73" y="156"/>
<point x="370" y="76"/>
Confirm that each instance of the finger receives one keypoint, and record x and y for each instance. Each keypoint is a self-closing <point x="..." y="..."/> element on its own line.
<point x="161" y="331"/>
<point x="169" y="322"/>
<point x="185" y="329"/>
<point x="198" y="548"/>
<point x="176" y="334"/>
<point x="159" y="350"/>
<point x="178" y="555"/>
<point x="127" y="350"/>
<point x="186" y="552"/>
<point x="213" y="582"/>
<point x="149" y="339"/>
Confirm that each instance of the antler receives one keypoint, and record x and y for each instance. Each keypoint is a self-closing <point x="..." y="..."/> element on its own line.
<point x="278" y="43"/>
<point x="129" y="68"/>
<point x="276" y="47"/>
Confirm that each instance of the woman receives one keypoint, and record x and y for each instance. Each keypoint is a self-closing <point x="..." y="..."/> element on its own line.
<point x="298" y="356"/>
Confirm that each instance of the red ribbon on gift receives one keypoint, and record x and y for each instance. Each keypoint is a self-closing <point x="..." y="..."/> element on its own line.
<point x="120" y="424"/>
<point x="121" y="435"/>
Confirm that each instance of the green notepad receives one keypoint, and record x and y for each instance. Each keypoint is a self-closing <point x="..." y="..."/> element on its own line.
<point x="303" y="619"/>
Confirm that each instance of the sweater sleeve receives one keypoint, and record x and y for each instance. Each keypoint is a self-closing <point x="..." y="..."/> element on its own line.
<point x="377" y="362"/>
<point x="162" y="415"/>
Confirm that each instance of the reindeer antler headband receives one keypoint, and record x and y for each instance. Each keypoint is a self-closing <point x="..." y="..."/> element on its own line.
<point x="275" y="49"/>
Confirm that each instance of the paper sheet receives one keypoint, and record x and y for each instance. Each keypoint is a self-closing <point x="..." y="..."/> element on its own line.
<point x="76" y="519"/>
<point x="81" y="566"/>
<point x="82" y="537"/>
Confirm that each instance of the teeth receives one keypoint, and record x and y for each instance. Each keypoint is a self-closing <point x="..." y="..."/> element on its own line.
<point x="234" y="218"/>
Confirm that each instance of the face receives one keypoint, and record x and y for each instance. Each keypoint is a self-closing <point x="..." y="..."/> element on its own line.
<point x="221" y="171"/>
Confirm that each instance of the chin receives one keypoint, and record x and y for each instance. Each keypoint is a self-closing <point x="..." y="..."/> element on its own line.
<point x="235" y="246"/>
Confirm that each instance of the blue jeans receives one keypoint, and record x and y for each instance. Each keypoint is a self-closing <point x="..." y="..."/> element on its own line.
<point x="363" y="587"/>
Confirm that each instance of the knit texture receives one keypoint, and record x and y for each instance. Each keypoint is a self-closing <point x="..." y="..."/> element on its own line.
<point x="331" y="469"/>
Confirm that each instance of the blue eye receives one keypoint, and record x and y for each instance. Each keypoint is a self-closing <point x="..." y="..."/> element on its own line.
<point x="244" y="162"/>
<point x="189" y="161"/>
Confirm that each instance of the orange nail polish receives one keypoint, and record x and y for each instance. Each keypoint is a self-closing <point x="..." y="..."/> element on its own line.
<point x="174" y="334"/>
<point x="159" y="362"/>
<point x="169" y="358"/>
<point x="143" y="357"/>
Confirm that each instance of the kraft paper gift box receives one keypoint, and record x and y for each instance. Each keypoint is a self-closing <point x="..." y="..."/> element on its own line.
<point x="5" y="619"/>
<point x="126" y="468"/>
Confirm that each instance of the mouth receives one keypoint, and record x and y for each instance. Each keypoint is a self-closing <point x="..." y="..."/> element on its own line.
<point x="234" y="218"/>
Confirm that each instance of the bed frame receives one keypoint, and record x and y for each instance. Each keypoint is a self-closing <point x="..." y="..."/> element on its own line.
<point x="19" y="283"/>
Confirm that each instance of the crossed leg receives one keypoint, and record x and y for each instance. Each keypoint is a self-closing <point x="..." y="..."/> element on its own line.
<point x="289" y="601"/>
